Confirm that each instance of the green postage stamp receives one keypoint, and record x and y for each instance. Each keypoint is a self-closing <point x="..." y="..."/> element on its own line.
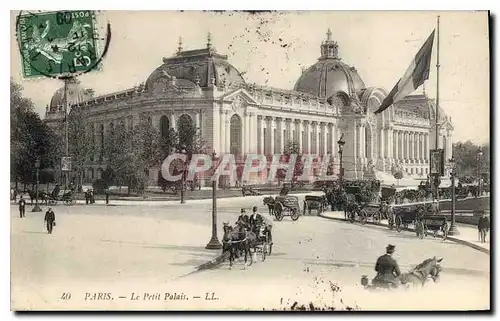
<point x="58" y="43"/>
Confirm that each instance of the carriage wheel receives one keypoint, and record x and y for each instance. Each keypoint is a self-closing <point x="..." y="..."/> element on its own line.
<point x="278" y="209"/>
<point x="305" y="207"/>
<point x="295" y="214"/>
<point x="351" y="217"/>
<point x="376" y="218"/>
<point x="363" y="217"/>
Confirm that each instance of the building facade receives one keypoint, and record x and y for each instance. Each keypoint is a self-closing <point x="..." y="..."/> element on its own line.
<point x="328" y="100"/>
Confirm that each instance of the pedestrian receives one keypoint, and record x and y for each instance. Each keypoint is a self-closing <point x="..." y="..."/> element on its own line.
<point x="92" y="200"/>
<point x="87" y="197"/>
<point x="107" y="196"/>
<point x="22" y="207"/>
<point x="50" y="220"/>
<point x="483" y="227"/>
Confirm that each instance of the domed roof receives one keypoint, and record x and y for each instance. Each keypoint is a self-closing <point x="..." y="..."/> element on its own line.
<point x="330" y="75"/>
<point x="198" y="66"/>
<point x="75" y="94"/>
<point x="420" y="105"/>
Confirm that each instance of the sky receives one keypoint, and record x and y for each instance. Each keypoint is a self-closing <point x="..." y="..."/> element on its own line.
<point x="272" y="48"/>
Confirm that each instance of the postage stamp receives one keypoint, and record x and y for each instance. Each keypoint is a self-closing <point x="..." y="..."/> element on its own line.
<point x="57" y="43"/>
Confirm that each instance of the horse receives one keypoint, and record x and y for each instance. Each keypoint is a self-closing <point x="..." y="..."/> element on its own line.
<point x="270" y="201"/>
<point x="42" y="196"/>
<point x="237" y="241"/>
<point x="420" y="274"/>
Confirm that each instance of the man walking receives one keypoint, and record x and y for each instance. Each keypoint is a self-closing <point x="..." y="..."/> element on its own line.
<point x="50" y="219"/>
<point x="22" y="207"/>
<point x="483" y="227"/>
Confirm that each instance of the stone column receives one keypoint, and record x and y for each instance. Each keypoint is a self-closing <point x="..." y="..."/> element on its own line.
<point x="281" y="136"/>
<point x="197" y="119"/>
<point x="334" y="147"/>
<point x="300" y="136"/>
<point x="427" y="147"/>
<point x="308" y="138"/>
<point x="396" y="145"/>
<point x="222" y="137"/>
<point x="261" y="138"/>
<point x="412" y="147"/>
<point x="173" y="121"/>
<point x="324" y="128"/>
<point x="316" y="138"/>
<point x="227" y="122"/>
<point x="290" y="130"/>
<point x="361" y="141"/>
<point x="252" y="140"/>
<point x="244" y="133"/>
<point x="271" y="135"/>
<point x="383" y="140"/>
<point x="407" y="146"/>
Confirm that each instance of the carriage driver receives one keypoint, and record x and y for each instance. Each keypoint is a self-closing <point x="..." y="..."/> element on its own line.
<point x="257" y="220"/>
<point x="387" y="268"/>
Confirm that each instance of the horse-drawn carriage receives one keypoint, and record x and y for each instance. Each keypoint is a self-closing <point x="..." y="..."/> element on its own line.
<point x="436" y="224"/>
<point x="53" y="199"/>
<point x="312" y="202"/>
<point x="242" y="242"/>
<point x="283" y="206"/>
<point x="403" y="216"/>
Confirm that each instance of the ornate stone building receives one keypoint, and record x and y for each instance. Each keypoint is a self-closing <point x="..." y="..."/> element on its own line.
<point x="329" y="99"/>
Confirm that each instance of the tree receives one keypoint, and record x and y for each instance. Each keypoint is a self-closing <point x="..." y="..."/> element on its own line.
<point x="293" y="148"/>
<point x="131" y="153"/>
<point x="465" y="154"/>
<point x="31" y="138"/>
<point x="80" y="144"/>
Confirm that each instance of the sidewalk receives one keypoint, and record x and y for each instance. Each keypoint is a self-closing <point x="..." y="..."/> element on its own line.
<point x="468" y="234"/>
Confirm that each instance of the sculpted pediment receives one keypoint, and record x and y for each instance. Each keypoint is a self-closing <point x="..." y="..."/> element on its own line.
<point x="240" y="98"/>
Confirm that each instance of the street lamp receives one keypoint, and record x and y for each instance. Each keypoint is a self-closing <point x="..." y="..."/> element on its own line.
<point x="214" y="243"/>
<point x="183" y="177"/>
<point x="479" y="157"/>
<point x="453" y="227"/>
<point x="37" y="166"/>
<point x="341" y="144"/>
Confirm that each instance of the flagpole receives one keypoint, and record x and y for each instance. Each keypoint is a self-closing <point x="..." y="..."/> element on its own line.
<point x="437" y="89"/>
<point x="436" y="178"/>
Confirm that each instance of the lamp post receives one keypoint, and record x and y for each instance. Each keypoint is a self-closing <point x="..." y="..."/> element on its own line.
<point x="183" y="178"/>
<point x="214" y="243"/>
<point x="341" y="144"/>
<point x="453" y="227"/>
<point x="37" y="166"/>
<point x="479" y="158"/>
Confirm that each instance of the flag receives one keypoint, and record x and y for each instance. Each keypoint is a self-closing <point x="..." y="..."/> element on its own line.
<point x="414" y="76"/>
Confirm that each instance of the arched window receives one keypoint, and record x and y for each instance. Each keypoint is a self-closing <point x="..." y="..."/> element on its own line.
<point x="186" y="130"/>
<point x="235" y="135"/>
<point x="164" y="127"/>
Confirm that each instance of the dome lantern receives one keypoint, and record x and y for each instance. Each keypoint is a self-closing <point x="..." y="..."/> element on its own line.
<point x="329" y="48"/>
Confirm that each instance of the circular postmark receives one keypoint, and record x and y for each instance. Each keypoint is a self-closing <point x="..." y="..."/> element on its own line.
<point x="61" y="44"/>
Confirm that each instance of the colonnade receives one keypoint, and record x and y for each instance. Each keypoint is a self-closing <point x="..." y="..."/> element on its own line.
<point x="411" y="147"/>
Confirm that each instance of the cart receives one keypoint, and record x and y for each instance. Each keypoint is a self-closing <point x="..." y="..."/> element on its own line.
<point x="435" y="224"/>
<point x="318" y="203"/>
<point x="403" y="217"/>
<point x="66" y="198"/>
<point x="287" y="206"/>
